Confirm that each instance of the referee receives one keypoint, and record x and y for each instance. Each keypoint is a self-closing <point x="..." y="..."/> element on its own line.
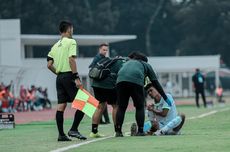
<point x="61" y="61"/>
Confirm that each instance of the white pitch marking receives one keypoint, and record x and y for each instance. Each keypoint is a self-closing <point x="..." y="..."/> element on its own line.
<point x="95" y="140"/>
<point x="78" y="145"/>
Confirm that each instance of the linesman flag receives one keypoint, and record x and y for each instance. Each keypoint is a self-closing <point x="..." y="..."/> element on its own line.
<point x="85" y="102"/>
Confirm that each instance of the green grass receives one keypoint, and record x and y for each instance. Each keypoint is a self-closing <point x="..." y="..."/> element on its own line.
<point x="211" y="133"/>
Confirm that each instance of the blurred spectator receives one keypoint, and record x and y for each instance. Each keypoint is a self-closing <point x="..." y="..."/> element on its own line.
<point x="10" y="99"/>
<point x="11" y="87"/>
<point x="4" y="101"/>
<point x="169" y="87"/>
<point x="219" y="93"/>
<point x="198" y="85"/>
<point x="22" y="105"/>
<point x="33" y="99"/>
<point x="2" y="86"/>
<point x="212" y="89"/>
<point x="47" y="101"/>
<point x="7" y="101"/>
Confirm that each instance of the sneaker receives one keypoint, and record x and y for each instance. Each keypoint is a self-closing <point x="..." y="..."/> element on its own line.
<point x="173" y="133"/>
<point x="140" y="134"/>
<point x="133" y="129"/>
<point x="178" y="133"/>
<point x="95" y="135"/>
<point x="158" y="133"/>
<point x="76" y="134"/>
<point x="119" y="134"/>
<point x="63" y="138"/>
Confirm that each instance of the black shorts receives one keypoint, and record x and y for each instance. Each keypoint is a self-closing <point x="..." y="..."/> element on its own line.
<point x="125" y="90"/>
<point x="66" y="88"/>
<point x="105" y="95"/>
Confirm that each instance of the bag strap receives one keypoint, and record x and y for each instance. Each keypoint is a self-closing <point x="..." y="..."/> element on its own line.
<point x="104" y="61"/>
<point x="113" y="61"/>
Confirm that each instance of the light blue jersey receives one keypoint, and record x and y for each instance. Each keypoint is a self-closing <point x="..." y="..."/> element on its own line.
<point x="172" y="113"/>
<point x="167" y="123"/>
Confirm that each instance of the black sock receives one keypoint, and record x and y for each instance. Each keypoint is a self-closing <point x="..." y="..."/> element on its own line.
<point x="77" y="119"/>
<point x="60" y="121"/>
<point x="94" y="128"/>
<point x="118" y="128"/>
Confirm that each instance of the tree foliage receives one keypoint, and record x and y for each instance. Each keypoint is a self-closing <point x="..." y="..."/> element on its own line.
<point x="163" y="27"/>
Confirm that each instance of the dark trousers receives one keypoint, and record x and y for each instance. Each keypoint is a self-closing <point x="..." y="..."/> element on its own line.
<point x="125" y="90"/>
<point x="202" y="95"/>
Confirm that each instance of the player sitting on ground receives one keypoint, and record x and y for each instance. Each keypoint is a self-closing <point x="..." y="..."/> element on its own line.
<point x="164" y="119"/>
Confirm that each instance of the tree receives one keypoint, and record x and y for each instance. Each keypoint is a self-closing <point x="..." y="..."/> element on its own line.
<point x="149" y="27"/>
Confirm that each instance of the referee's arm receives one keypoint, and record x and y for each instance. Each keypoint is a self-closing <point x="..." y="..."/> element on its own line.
<point x="50" y="66"/>
<point x="73" y="64"/>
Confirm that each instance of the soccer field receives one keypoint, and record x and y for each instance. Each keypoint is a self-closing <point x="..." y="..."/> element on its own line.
<point x="204" y="130"/>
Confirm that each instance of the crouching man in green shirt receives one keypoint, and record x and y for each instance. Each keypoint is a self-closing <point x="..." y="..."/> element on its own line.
<point x="130" y="83"/>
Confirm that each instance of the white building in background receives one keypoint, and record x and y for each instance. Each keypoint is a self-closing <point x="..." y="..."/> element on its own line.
<point x="16" y="52"/>
<point x="14" y="65"/>
<point x="177" y="71"/>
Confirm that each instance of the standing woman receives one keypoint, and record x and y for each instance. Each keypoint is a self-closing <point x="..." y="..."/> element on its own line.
<point x="130" y="83"/>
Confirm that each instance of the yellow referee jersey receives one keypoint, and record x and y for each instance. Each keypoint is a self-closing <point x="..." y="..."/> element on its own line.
<point x="60" y="53"/>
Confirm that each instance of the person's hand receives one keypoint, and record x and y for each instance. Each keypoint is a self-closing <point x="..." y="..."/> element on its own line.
<point x="150" y="107"/>
<point x="78" y="84"/>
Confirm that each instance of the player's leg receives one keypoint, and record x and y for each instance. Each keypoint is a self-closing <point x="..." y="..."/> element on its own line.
<point x="155" y="126"/>
<point x="62" y="102"/>
<point x="152" y="125"/>
<point x="114" y="112"/>
<point x="197" y="98"/>
<point x="73" y="132"/>
<point x="106" y="114"/>
<point x="100" y="94"/>
<point x="123" y="94"/>
<point x="96" y="120"/>
<point x="137" y="94"/>
<point x="60" y="121"/>
<point x="167" y="129"/>
<point x="112" y="100"/>
<point x="177" y="129"/>
<point x="71" y="91"/>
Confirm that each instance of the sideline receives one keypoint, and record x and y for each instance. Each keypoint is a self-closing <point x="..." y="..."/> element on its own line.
<point x="78" y="145"/>
<point x="95" y="140"/>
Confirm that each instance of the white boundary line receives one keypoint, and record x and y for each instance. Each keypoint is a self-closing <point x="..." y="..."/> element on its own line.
<point x="203" y="115"/>
<point x="95" y="140"/>
<point x="78" y="145"/>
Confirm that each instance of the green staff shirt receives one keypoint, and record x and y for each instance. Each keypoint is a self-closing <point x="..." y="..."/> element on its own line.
<point x="135" y="71"/>
<point x="60" y="53"/>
